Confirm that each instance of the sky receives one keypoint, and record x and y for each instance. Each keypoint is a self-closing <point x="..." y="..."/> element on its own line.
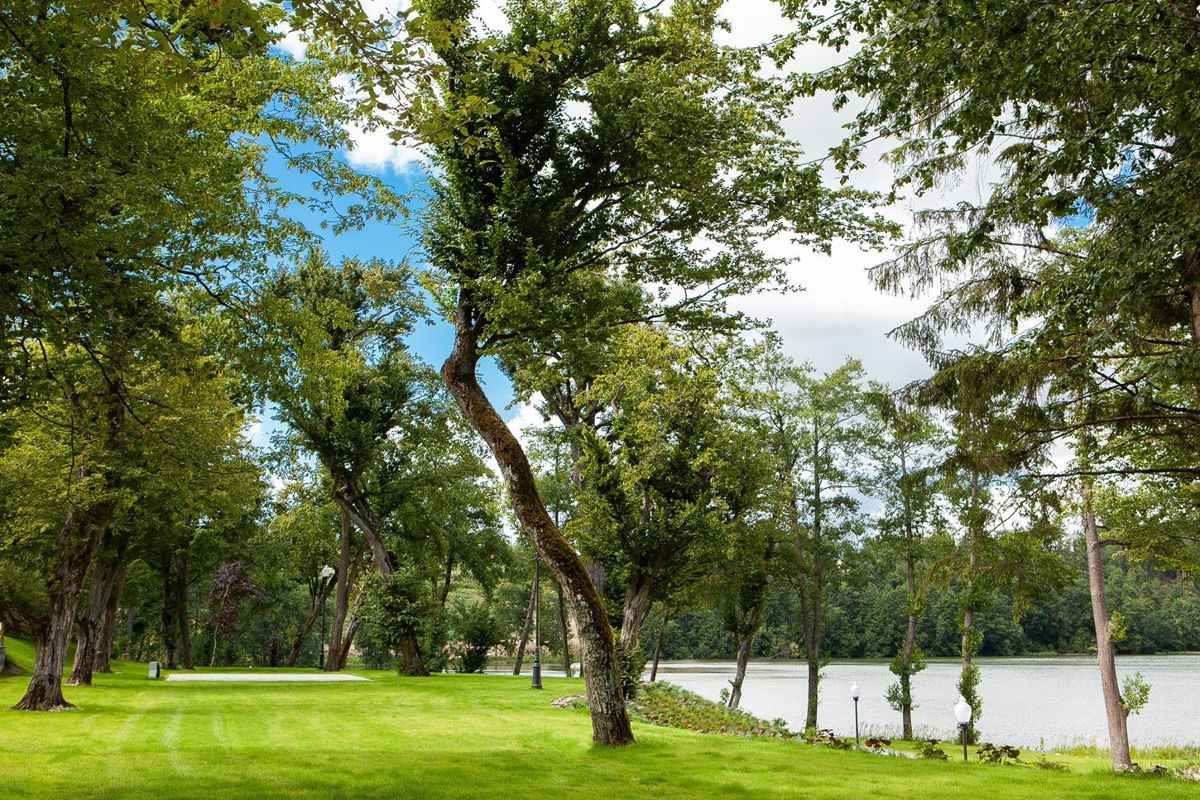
<point x="838" y="314"/>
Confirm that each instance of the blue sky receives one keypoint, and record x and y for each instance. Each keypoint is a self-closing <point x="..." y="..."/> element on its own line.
<point x="432" y="341"/>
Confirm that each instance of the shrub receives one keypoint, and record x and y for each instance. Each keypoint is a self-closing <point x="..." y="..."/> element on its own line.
<point x="631" y="663"/>
<point x="928" y="748"/>
<point x="989" y="753"/>
<point x="667" y="705"/>
<point x="476" y="631"/>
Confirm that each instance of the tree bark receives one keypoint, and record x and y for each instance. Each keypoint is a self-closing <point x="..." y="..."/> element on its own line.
<point x="76" y="543"/>
<point x="127" y="650"/>
<point x="414" y="660"/>
<point x="658" y="647"/>
<point x="324" y="589"/>
<point x="610" y="719"/>
<point x="745" y="642"/>
<point x="347" y="574"/>
<point x="525" y="631"/>
<point x="348" y="642"/>
<point x="354" y="504"/>
<point x="1118" y="730"/>
<point x="89" y="616"/>
<point x="183" y="615"/>
<point x="906" y="652"/>
<point x="107" y="570"/>
<point x="169" y="617"/>
<point x="103" y="660"/>
<point x="636" y="607"/>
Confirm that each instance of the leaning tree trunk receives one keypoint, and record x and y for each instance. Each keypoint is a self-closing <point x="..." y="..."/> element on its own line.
<point x="354" y="503"/>
<point x="745" y="642"/>
<point x="524" y="640"/>
<point x="1118" y="730"/>
<point x="610" y="719"/>
<point x="103" y="660"/>
<point x="324" y="589"/>
<point x="75" y="545"/>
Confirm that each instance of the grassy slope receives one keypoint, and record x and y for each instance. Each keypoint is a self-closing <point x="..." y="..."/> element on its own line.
<point x="441" y="737"/>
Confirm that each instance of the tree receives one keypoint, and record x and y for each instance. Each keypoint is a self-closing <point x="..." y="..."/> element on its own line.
<point x="130" y="132"/>
<point x="325" y="346"/>
<point x="545" y="225"/>
<point x="817" y="440"/>
<point x="906" y="444"/>
<point x="1094" y="133"/>
<point x="664" y="467"/>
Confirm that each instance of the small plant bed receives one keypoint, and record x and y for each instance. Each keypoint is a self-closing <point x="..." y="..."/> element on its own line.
<point x="667" y="705"/>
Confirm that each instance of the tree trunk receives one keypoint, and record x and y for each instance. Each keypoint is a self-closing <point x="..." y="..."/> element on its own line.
<point x="127" y="650"/>
<point x="635" y="609"/>
<point x="76" y="545"/>
<point x="525" y="631"/>
<point x="566" y="631"/>
<point x="354" y="504"/>
<point x="103" y="660"/>
<point x="414" y="661"/>
<point x="89" y="614"/>
<point x="348" y="642"/>
<point x="183" y="615"/>
<point x="610" y="719"/>
<point x="810" y="609"/>
<point x="347" y="572"/>
<point x="745" y="642"/>
<point x="658" y="647"/>
<point x="1118" y="730"/>
<point x="324" y="588"/>
<point x="169" y="618"/>
<point x="445" y="593"/>
<point x="906" y="653"/>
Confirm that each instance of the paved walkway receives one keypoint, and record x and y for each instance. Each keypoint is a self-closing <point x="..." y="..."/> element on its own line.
<point x="265" y="677"/>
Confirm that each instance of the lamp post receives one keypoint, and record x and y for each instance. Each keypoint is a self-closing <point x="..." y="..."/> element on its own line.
<point x="962" y="713"/>
<point x="537" y="622"/>
<point x="326" y="572"/>
<point x="854" y="693"/>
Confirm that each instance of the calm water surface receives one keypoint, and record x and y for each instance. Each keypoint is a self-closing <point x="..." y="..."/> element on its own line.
<point x="1053" y="702"/>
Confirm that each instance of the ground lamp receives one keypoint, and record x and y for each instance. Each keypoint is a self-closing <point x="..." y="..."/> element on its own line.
<point x="326" y="573"/>
<point x="854" y="693"/>
<point x="537" y="623"/>
<point x="962" y="713"/>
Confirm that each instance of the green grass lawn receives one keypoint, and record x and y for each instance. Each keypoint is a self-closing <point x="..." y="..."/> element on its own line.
<point x="448" y="736"/>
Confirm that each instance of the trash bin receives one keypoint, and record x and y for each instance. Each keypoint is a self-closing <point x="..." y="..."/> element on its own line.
<point x="3" y="657"/>
<point x="154" y="670"/>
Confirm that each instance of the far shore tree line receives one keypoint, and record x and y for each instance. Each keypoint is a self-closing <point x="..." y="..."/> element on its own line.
<point x="605" y="178"/>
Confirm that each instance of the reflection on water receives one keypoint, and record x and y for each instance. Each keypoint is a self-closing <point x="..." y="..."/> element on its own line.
<point x="1027" y="702"/>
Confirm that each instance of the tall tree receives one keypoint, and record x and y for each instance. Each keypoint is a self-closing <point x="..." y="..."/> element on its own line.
<point x="906" y="445"/>
<point x="819" y="439"/>
<point x="130" y="132"/>
<point x="1098" y="132"/>
<point x="545" y="224"/>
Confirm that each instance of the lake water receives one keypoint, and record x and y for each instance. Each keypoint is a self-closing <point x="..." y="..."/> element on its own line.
<point x="1028" y="702"/>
